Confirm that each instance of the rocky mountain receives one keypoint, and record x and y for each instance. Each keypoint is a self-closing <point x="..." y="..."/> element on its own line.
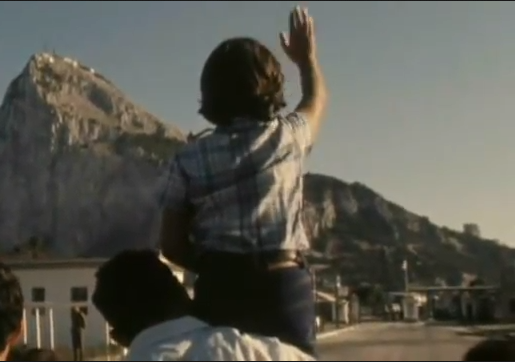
<point x="80" y="168"/>
<point x="368" y="237"/>
<point x="80" y="163"/>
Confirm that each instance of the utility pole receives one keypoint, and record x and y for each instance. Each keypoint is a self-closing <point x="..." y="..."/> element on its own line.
<point x="315" y="293"/>
<point x="406" y="275"/>
<point x="404" y="251"/>
<point x="314" y="269"/>
<point x="337" y="284"/>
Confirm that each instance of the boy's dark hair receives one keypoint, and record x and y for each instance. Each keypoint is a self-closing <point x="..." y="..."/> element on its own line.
<point x="135" y="290"/>
<point x="241" y="78"/>
<point x="11" y="305"/>
<point x="492" y="350"/>
<point x="39" y="354"/>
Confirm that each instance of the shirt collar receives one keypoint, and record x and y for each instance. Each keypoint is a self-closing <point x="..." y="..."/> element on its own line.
<point x="242" y="123"/>
<point x="166" y="331"/>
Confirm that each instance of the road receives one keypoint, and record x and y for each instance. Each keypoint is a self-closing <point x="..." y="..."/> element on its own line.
<point x="397" y="342"/>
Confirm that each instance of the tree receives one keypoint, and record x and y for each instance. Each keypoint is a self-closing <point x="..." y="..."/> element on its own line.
<point x="35" y="246"/>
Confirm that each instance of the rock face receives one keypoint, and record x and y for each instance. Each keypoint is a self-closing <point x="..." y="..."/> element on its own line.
<point x="370" y="237"/>
<point x="80" y="164"/>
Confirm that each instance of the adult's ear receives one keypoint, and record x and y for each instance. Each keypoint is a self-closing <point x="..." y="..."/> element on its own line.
<point x="17" y="336"/>
<point x="119" y="338"/>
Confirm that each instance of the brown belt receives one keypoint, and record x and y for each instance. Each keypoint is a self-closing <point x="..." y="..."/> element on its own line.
<point x="268" y="260"/>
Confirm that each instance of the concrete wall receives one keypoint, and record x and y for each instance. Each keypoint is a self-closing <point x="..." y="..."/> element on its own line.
<point x="58" y="283"/>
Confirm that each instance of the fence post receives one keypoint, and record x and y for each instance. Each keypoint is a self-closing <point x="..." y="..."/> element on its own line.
<point x="51" y="326"/>
<point x="108" y="342"/>
<point x="38" y="328"/>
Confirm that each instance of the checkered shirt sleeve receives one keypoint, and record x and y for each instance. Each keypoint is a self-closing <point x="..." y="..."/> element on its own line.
<point x="300" y="127"/>
<point x="174" y="195"/>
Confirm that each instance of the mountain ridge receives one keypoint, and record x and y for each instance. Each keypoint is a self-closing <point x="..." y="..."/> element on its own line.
<point x="353" y="223"/>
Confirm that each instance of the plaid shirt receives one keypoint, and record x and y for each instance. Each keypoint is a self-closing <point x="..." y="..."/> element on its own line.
<point x="244" y="183"/>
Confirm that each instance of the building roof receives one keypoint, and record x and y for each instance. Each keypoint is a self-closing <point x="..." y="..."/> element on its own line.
<point x="71" y="263"/>
<point x="324" y="297"/>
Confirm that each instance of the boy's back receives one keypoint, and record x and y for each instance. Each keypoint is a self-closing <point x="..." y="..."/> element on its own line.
<point x="238" y="192"/>
<point x="245" y="184"/>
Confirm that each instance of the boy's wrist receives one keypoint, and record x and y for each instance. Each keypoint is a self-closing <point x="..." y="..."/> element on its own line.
<point x="307" y="64"/>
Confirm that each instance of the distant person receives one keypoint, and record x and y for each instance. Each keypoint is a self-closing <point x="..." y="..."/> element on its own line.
<point x="11" y="311"/>
<point x="492" y="350"/>
<point x="78" y="326"/>
<point x="238" y="191"/>
<point x="151" y="314"/>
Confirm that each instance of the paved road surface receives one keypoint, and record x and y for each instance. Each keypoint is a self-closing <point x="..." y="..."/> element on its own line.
<point x="397" y="342"/>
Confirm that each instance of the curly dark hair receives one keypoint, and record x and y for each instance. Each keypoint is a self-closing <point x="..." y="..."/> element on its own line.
<point x="33" y="354"/>
<point x="241" y="78"/>
<point x="135" y="290"/>
<point x="11" y="305"/>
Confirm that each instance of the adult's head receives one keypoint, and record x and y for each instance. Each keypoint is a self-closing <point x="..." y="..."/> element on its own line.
<point x="39" y="354"/>
<point x="136" y="290"/>
<point x="492" y="350"/>
<point x="241" y="78"/>
<point x="11" y="310"/>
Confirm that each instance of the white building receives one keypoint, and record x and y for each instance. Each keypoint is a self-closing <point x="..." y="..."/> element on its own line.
<point x="50" y="288"/>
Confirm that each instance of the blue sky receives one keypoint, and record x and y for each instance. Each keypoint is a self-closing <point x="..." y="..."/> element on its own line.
<point x="421" y="93"/>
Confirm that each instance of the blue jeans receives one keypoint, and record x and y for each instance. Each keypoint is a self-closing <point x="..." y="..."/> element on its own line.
<point x="276" y="303"/>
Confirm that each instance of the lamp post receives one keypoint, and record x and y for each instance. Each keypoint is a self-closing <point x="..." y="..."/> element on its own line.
<point x="406" y="275"/>
<point x="397" y="238"/>
<point x="315" y="293"/>
<point x="337" y="284"/>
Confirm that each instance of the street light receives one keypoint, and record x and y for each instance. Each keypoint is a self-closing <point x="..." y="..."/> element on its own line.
<point x="314" y="268"/>
<point x="397" y="238"/>
<point x="315" y="293"/>
<point x="337" y="284"/>
<point x="406" y="275"/>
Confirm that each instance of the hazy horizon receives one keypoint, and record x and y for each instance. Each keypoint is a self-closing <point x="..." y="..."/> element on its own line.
<point x="420" y="105"/>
